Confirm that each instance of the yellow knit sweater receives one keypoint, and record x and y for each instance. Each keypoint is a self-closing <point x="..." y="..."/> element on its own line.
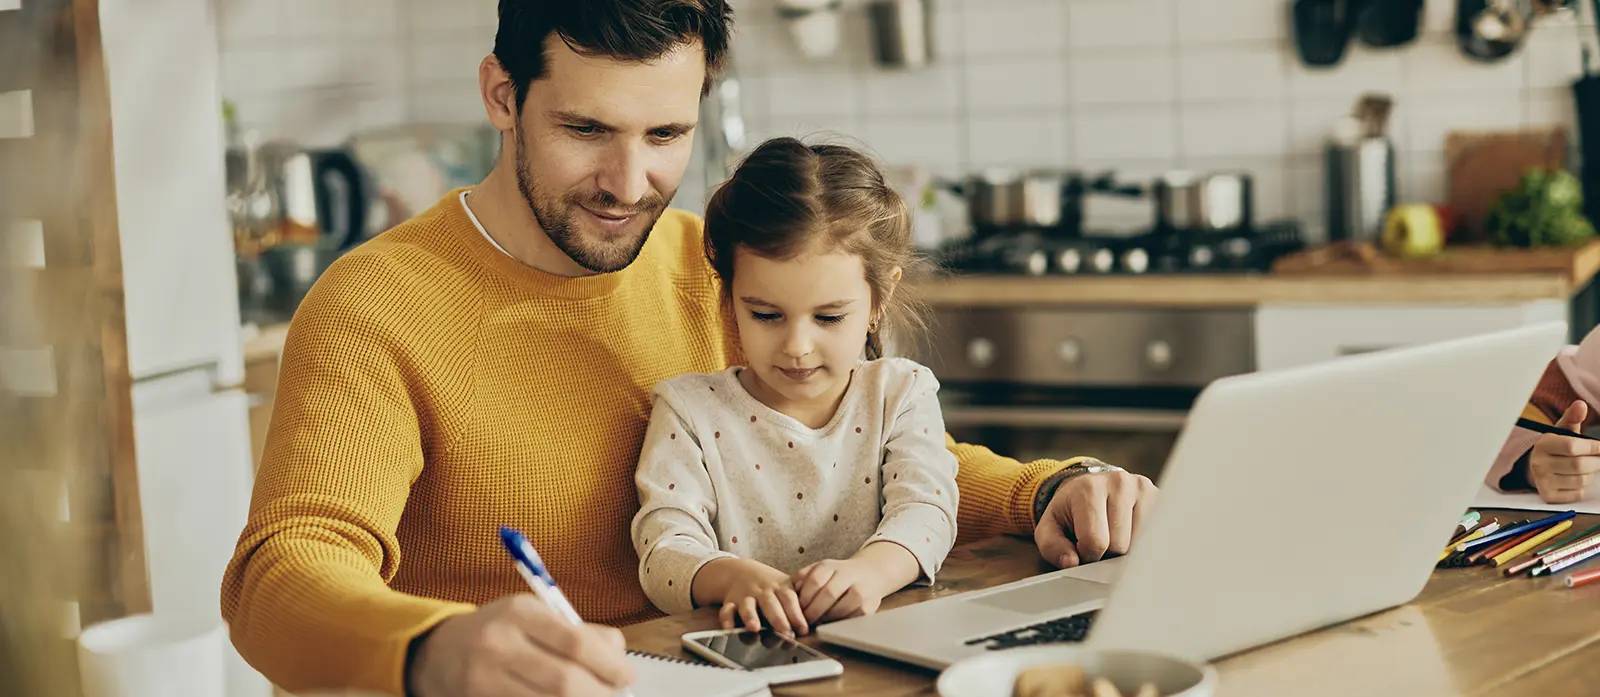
<point x="434" y="389"/>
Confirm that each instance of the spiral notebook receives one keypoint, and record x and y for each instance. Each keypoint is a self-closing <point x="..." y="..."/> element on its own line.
<point x="662" y="676"/>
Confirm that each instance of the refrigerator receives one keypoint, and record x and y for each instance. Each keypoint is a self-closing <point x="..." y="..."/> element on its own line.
<point x="191" y="426"/>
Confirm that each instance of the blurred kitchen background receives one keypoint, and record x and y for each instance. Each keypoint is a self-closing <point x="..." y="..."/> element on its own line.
<point x="1127" y="199"/>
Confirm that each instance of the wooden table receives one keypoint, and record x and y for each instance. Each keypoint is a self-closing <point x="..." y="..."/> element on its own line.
<point x="1470" y="632"/>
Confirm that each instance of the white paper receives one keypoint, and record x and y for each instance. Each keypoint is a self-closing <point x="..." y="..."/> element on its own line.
<point x="152" y="656"/>
<point x="1489" y="498"/>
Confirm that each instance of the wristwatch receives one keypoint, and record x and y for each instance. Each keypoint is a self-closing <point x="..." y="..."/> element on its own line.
<point x="1047" y="490"/>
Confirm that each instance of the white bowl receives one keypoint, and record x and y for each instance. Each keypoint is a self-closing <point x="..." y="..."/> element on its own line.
<point x="993" y="674"/>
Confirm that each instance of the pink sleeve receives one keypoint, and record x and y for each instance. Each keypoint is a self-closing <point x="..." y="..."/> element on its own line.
<point x="1574" y="374"/>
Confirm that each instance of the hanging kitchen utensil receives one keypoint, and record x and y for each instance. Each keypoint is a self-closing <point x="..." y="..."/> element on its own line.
<point x="1322" y="30"/>
<point x="1389" y="23"/>
<point x="1491" y="30"/>
<point x="902" y="33"/>
<point x="1359" y="171"/>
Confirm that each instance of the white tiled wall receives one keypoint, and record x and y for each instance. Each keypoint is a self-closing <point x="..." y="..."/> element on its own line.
<point x="1139" y="86"/>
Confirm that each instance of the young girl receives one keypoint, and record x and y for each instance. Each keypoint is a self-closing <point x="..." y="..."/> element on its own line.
<point x="813" y="481"/>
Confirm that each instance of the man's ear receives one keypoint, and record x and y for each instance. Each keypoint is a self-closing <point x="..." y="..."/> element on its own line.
<point x="499" y="94"/>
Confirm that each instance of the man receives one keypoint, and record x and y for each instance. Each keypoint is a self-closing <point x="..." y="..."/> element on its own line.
<point x="489" y="362"/>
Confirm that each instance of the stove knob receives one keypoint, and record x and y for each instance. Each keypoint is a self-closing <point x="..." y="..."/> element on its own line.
<point x="1201" y="257"/>
<point x="1158" y="354"/>
<point x="1070" y="351"/>
<point x="1103" y="260"/>
<point x="1136" y="260"/>
<point x="1037" y="263"/>
<point x="980" y="352"/>
<point x="1069" y="260"/>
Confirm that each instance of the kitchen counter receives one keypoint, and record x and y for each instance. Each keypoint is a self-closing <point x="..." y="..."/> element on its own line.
<point x="263" y="342"/>
<point x="1250" y="290"/>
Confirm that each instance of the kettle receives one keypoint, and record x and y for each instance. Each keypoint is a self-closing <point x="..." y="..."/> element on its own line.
<point x="321" y="192"/>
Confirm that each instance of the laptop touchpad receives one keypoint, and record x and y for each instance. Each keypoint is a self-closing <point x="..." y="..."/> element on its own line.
<point x="1045" y="596"/>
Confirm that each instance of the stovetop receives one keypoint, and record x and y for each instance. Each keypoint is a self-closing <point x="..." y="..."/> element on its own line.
<point x="1155" y="252"/>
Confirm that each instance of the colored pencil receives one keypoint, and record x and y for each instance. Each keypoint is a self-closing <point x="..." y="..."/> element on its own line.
<point x="1580" y="537"/>
<point x="1475" y="535"/>
<point x="1494" y="550"/>
<point x="1515" y="530"/>
<point x="1521" y="549"/>
<point x="1583" y="579"/>
<point x="1574" y="560"/>
<point x="1574" y="548"/>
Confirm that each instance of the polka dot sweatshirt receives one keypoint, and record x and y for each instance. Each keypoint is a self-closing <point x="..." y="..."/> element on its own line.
<point x="724" y="475"/>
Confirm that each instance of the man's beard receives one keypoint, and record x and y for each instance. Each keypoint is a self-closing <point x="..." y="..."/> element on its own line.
<point x="556" y="217"/>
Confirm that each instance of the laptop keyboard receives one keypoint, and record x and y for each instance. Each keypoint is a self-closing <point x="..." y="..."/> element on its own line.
<point x="1066" y="630"/>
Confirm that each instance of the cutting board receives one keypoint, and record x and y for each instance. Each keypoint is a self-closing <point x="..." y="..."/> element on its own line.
<point x="1575" y="263"/>
<point x="1482" y="165"/>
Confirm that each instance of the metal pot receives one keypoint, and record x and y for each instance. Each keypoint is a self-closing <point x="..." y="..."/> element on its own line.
<point x="902" y="32"/>
<point x="999" y="199"/>
<point x="1193" y="201"/>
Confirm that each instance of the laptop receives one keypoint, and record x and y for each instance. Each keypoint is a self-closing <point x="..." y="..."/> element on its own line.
<point x="1292" y="500"/>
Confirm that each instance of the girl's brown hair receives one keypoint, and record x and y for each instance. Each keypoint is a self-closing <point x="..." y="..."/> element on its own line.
<point x="788" y="198"/>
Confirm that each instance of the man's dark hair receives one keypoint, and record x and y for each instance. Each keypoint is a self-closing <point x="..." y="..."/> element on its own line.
<point x="628" y="30"/>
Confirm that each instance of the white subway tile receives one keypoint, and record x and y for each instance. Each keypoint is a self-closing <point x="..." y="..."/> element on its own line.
<point x="1552" y="107"/>
<point x="1436" y="66"/>
<point x="1420" y="177"/>
<point x="385" y="112"/>
<point x="1147" y="76"/>
<point x="808" y="92"/>
<point x="28" y="372"/>
<point x="1226" y="131"/>
<point x="1312" y="120"/>
<point x="312" y="67"/>
<point x="1439" y="18"/>
<point x="1554" y="57"/>
<point x="249" y="21"/>
<point x="376" y="69"/>
<point x="1121" y="23"/>
<point x="758" y="43"/>
<point x="252" y="70"/>
<point x="949" y="31"/>
<point x="914" y="141"/>
<point x="459" y="104"/>
<point x="1305" y="194"/>
<point x="24" y="245"/>
<point x="444" y="62"/>
<point x="16" y="114"/>
<point x="1229" y="74"/>
<point x="10" y="5"/>
<point x="371" y="19"/>
<point x="1131" y="133"/>
<point x="1015" y="83"/>
<point x="304" y="19"/>
<point x="1363" y="70"/>
<point x="1014" y="28"/>
<point x="1232" y="21"/>
<point x="1432" y="120"/>
<point x="934" y="91"/>
<point x="458" y="17"/>
<point x="840" y="128"/>
<point x="997" y="141"/>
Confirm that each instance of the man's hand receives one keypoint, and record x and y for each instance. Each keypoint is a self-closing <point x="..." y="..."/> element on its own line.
<point x="1561" y="467"/>
<point x="1102" y="509"/>
<point x="518" y="647"/>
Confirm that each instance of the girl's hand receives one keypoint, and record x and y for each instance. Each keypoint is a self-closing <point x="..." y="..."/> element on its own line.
<point x="835" y="589"/>
<point x="756" y="590"/>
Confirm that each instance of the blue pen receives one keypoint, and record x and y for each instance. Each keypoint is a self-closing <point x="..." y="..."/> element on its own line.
<point x="544" y="585"/>
<point x="532" y="569"/>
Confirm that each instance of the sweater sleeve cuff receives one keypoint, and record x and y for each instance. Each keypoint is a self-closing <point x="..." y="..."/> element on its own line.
<point x="1035" y="475"/>
<point x="668" y="573"/>
<point x="924" y="531"/>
